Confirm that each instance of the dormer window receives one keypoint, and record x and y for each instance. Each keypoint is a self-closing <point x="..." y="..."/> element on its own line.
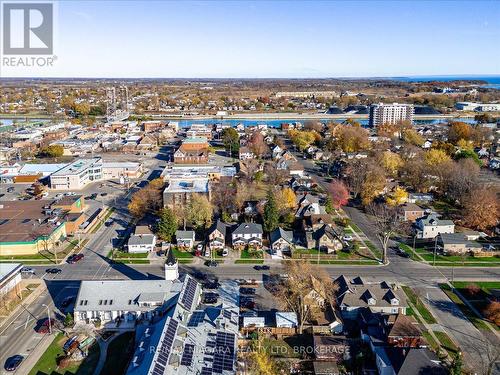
<point x="394" y="301"/>
<point x="372" y="301"/>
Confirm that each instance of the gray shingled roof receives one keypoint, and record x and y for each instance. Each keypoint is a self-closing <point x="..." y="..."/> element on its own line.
<point x="280" y="233"/>
<point x="248" y="228"/>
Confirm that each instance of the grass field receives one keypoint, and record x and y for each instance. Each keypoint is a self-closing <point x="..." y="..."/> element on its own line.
<point x="374" y="249"/>
<point x="415" y="300"/>
<point x="446" y="342"/>
<point x="246" y="254"/>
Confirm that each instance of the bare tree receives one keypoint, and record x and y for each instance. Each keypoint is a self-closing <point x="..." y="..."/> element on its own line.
<point x="294" y="292"/>
<point x="387" y="223"/>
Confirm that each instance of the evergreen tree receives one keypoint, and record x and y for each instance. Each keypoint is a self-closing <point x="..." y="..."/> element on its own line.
<point x="329" y="205"/>
<point x="167" y="225"/>
<point x="456" y="365"/>
<point x="271" y="214"/>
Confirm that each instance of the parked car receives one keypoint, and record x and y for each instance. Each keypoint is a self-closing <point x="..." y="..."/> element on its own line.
<point x="211" y="263"/>
<point x="210" y="298"/>
<point x="75" y="258"/>
<point x="104" y="194"/>
<point x="69" y="193"/>
<point x="10" y="190"/>
<point x="225" y="252"/>
<point x="53" y="270"/>
<point x="347" y="238"/>
<point x="247" y="290"/>
<point x="248" y="304"/>
<point x="44" y="326"/>
<point x="199" y="275"/>
<point x="59" y="196"/>
<point x="207" y="252"/>
<point x="12" y="363"/>
<point x="211" y="284"/>
<point x="28" y="270"/>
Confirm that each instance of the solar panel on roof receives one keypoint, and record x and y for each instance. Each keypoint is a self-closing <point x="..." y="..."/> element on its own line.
<point x="227" y="314"/>
<point x="196" y="318"/>
<point x="188" y="296"/>
<point x="166" y="345"/>
<point x="224" y="352"/>
<point x="187" y="356"/>
<point x="206" y="371"/>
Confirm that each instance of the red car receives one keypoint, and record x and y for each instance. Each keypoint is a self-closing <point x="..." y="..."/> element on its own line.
<point x="44" y="326"/>
<point x="75" y="258"/>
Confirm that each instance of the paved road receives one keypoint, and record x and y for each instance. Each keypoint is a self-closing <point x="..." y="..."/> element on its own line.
<point x="18" y="335"/>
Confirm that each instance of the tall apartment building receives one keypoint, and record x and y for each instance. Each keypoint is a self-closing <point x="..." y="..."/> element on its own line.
<point x="390" y="113"/>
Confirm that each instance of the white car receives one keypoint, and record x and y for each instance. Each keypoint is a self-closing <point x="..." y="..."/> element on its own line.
<point x="199" y="247"/>
<point x="225" y="252"/>
<point x="28" y="270"/>
<point x="59" y="195"/>
<point x="207" y="252"/>
<point x="347" y="238"/>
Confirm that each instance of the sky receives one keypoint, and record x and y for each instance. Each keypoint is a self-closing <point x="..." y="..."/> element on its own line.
<point x="272" y="39"/>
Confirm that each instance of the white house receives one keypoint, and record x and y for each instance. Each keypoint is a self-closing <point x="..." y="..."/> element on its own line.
<point x="141" y="243"/>
<point x="247" y="234"/>
<point x="285" y="319"/>
<point x="429" y="226"/>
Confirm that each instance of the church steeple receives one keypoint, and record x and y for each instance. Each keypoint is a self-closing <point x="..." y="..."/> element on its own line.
<point x="171" y="267"/>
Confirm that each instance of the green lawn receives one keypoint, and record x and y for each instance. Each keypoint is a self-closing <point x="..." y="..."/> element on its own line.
<point x="123" y="254"/>
<point x="374" y="249"/>
<point x="356" y="228"/>
<point x="246" y="254"/>
<point x="415" y="300"/>
<point x="119" y="350"/>
<point x="182" y="254"/>
<point x="457" y="260"/>
<point x="249" y="261"/>
<point x="47" y="364"/>
<point x="349" y="262"/>
<point x="430" y="340"/>
<point x="446" y="342"/>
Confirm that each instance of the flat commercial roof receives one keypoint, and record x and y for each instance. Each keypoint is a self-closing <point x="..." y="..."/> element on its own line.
<point x="191" y="186"/>
<point x="77" y="167"/>
<point x="24" y="221"/>
<point x="7" y="269"/>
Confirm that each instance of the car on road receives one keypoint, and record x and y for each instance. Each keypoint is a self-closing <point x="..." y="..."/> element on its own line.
<point x="12" y="363"/>
<point x="28" y="270"/>
<point x="347" y="238"/>
<point x="108" y="223"/>
<point x="59" y="196"/>
<point x="74" y="258"/>
<point x="92" y="196"/>
<point x="211" y="263"/>
<point x="262" y="268"/>
<point x="70" y="193"/>
<point x="53" y="270"/>
<point x="67" y="301"/>
<point x="10" y="190"/>
<point x="104" y="194"/>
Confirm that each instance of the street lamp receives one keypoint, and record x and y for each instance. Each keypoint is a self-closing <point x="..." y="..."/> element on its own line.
<point x="48" y="315"/>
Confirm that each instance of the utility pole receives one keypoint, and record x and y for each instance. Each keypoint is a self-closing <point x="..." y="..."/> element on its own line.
<point x="414" y="239"/>
<point x="435" y="249"/>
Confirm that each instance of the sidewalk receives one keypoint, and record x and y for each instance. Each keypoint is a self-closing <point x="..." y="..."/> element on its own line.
<point x="33" y="357"/>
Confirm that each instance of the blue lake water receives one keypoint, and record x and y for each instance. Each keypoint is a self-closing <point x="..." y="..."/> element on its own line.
<point x="277" y="123"/>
